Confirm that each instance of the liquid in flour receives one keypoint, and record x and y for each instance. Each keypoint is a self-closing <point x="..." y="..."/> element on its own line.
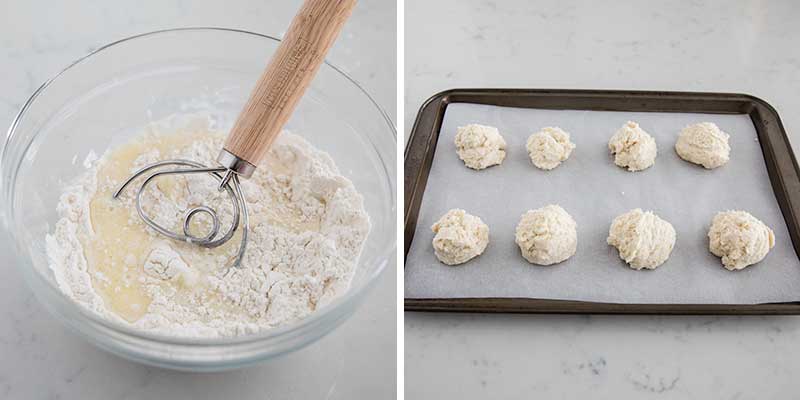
<point x="308" y="225"/>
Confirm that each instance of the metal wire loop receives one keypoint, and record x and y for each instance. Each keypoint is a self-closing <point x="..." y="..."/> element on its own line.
<point x="214" y="223"/>
<point x="229" y="183"/>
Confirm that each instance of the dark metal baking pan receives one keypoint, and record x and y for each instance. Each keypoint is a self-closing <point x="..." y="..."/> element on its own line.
<point x="781" y="165"/>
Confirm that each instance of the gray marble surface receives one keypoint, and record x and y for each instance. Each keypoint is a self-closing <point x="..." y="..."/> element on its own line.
<point x="732" y="46"/>
<point x="39" y="359"/>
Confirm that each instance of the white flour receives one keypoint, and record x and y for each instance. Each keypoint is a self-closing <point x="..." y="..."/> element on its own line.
<point x="308" y="225"/>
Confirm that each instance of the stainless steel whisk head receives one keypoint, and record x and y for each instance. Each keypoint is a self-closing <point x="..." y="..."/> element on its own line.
<point x="228" y="182"/>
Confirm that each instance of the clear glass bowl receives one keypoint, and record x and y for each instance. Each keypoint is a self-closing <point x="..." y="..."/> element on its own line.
<point x="106" y="97"/>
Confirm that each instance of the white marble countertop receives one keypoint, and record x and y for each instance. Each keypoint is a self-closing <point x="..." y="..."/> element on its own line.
<point x="737" y="46"/>
<point x="40" y="359"/>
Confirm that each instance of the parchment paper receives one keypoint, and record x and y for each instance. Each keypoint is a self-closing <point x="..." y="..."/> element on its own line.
<point x="594" y="191"/>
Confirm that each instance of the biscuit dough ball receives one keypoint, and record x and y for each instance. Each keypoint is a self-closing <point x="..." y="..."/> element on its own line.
<point x="704" y="144"/>
<point x="547" y="235"/>
<point x="739" y="238"/>
<point x="480" y="146"/>
<point x="459" y="237"/>
<point x="642" y="238"/>
<point x="549" y="147"/>
<point x="633" y="148"/>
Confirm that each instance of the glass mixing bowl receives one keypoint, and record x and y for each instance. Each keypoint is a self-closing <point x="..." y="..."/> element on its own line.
<point x="106" y="97"/>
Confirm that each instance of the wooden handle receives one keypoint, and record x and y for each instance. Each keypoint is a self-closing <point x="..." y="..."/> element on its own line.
<point x="287" y="76"/>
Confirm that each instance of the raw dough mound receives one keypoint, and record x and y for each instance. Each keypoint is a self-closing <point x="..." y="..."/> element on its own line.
<point x="633" y="148"/>
<point x="547" y="235"/>
<point x="739" y="238"/>
<point x="549" y="147"/>
<point x="704" y="144"/>
<point x="480" y="146"/>
<point x="643" y="239"/>
<point x="459" y="237"/>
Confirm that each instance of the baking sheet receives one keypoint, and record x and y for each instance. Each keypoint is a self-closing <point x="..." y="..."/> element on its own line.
<point x="593" y="190"/>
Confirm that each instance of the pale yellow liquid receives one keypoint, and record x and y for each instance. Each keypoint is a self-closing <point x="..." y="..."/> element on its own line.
<point x="119" y="245"/>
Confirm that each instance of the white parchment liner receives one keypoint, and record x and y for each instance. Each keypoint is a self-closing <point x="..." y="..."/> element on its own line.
<point x="593" y="190"/>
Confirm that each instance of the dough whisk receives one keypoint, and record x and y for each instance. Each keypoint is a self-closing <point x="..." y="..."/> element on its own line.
<point x="270" y="105"/>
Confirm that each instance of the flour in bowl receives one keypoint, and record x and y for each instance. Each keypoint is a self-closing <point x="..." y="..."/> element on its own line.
<point x="307" y="228"/>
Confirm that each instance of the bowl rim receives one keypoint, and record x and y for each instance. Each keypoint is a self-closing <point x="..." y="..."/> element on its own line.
<point x="350" y="297"/>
